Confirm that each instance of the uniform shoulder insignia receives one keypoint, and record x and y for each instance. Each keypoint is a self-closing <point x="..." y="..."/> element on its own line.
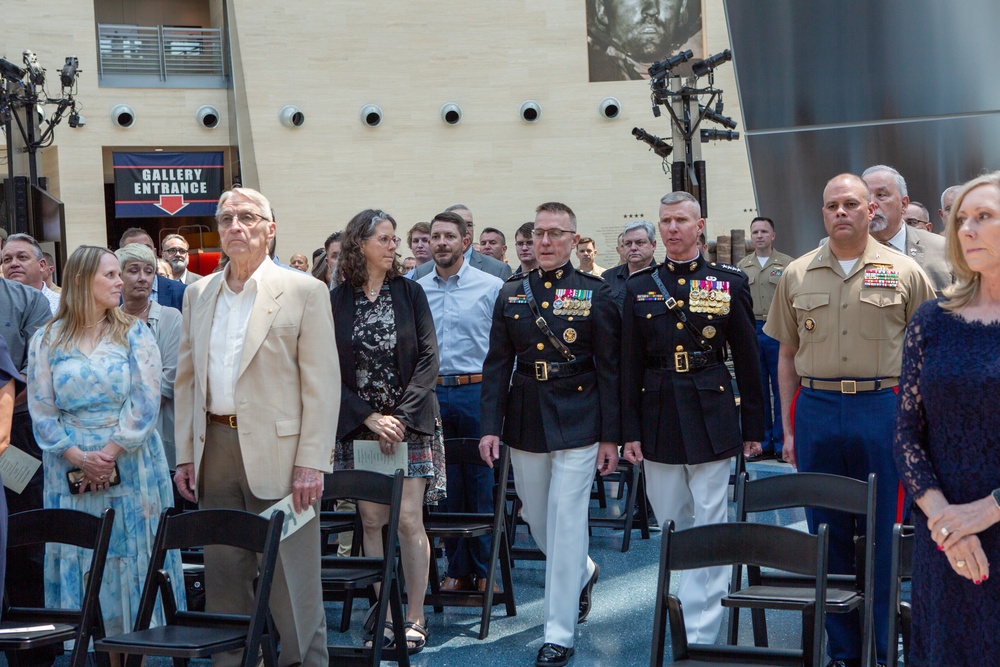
<point x="590" y="276"/>
<point x="640" y="272"/>
<point x="729" y="267"/>
<point x="517" y="276"/>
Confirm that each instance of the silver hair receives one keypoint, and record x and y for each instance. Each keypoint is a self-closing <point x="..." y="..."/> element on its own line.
<point x="135" y="252"/>
<point x="954" y="189"/>
<point x="900" y="181"/>
<point x="645" y="225"/>
<point x="171" y="237"/>
<point x="30" y="240"/>
<point x="256" y="198"/>
<point x="681" y="196"/>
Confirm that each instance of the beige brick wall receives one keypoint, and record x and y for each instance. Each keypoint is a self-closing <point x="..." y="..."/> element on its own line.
<point x="408" y="57"/>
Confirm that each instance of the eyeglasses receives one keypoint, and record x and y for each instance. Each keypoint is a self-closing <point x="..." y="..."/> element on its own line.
<point x="384" y="241"/>
<point x="246" y="219"/>
<point x="524" y="244"/>
<point x="553" y="234"/>
<point x="175" y="251"/>
<point x="916" y="221"/>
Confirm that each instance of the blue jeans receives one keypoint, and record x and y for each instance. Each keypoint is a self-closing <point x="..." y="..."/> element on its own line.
<point x="767" y="348"/>
<point x="470" y="484"/>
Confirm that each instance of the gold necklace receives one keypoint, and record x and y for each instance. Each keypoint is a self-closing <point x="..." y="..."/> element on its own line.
<point x="141" y="312"/>
<point x="91" y="326"/>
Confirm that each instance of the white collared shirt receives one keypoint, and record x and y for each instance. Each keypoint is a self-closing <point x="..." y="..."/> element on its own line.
<point x="225" y="349"/>
<point x="898" y="242"/>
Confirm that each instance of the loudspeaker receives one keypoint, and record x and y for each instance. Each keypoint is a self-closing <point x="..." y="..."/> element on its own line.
<point x="20" y="205"/>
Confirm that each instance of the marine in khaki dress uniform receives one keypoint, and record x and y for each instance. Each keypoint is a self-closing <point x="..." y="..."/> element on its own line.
<point x="840" y="313"/>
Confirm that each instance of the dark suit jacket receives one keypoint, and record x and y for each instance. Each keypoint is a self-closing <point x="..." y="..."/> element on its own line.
<point x="416" y="358"/>
<point x="170" y="292"/>
<point x="477" y="260"/>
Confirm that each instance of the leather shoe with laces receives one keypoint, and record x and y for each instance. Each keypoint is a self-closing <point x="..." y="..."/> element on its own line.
<point x="553" y="655"/>
<point x="586" y="595"/>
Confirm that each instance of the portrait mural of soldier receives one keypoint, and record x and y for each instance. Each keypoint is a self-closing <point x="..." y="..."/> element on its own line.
<point x="625" y="37"/>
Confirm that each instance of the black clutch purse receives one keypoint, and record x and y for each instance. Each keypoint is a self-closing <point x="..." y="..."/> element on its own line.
<point x="74" y="478"/>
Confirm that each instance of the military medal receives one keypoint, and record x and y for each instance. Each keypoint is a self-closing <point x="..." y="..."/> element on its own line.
<point x="881" y="275"/>
<point x="650" y="296"/>
<point x="520" y="298"/>
<point x="569" y="335"/>
<point x="708" y="332"/>
<point x="709" y="296"/>
<point x="572" y="301"/>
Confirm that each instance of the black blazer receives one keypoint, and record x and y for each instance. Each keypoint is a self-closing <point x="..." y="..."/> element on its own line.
<point x="416" y="357"/>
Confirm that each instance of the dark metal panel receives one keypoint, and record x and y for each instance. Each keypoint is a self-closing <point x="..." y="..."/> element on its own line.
<point x="815" y="62"/>
<point x="791" y="168"/>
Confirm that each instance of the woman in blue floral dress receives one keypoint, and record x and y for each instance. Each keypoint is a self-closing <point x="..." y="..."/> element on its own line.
<point x="94" y="394"/>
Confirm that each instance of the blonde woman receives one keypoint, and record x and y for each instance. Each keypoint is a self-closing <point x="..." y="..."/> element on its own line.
<point x="94" y="394"/>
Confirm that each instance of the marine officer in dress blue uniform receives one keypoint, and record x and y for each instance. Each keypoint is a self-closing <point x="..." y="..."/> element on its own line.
<point x="559" y="411"/>
<point x="840" y="313"/>
<point x="679" y="414"/>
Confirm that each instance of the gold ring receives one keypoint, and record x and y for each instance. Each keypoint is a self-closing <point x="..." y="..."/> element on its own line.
<point x="960" y="563"/>
<point x="312" y="500"/>
<point x="102" y="478"/>
<point x="944" y="531"/>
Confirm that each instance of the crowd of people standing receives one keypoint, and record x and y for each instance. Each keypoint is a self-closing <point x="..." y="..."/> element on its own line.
<point x="229" y="380"/>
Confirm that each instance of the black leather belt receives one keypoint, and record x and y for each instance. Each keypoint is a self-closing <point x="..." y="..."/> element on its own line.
<point x="547" y="370"/>
<point x="682" y="362"/>
<point x="850" y="386"/>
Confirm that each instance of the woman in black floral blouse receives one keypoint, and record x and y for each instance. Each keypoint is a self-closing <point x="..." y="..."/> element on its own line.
<point x="389" y="364"/>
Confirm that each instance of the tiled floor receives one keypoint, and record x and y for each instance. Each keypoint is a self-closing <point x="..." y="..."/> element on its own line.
<point x="618" y="631"/>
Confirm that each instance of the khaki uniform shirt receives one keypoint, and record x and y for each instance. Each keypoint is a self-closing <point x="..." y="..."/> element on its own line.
<point x="847" y="327"/>
<point x="763" y="279"/>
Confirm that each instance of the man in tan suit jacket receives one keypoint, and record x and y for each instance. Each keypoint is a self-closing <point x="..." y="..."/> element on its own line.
<point x="257" y="396"/>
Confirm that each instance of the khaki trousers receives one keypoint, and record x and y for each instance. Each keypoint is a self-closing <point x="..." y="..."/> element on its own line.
<point x="296" y="593"/>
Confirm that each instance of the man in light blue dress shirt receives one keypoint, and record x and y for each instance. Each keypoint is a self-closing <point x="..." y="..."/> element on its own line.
<point x="461" y="299"/>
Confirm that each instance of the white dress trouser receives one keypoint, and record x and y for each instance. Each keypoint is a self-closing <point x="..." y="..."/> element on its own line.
<point x="554" y="489"/>
<point x="694" y="495"/>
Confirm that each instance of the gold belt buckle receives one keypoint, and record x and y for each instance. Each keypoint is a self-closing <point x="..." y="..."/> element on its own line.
<point x="681" y="362"/>
<point x="541" y="371"/>
<point x="848" y="387"/>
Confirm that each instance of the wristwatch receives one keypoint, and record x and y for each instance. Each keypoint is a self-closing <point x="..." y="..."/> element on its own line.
<point x="996" y="496"/>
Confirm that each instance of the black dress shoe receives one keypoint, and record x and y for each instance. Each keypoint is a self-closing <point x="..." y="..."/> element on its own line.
<point x="585" y="597"/>
<point x="553" y="655"/>
<point x="845" y="662"/>
<point x="763" y="456"/>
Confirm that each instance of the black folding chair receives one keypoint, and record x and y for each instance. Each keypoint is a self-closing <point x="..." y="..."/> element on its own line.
<point x="846" y="592"/>
<point x="899" y="610"/>
<point x="333" y="522"/>
<point x="630" y="478"/>
<point x="358" y="573"/>
<point x="69" y="527"/>
<point x="198" y="634"/>
<point x="759" y="545"/>
<point x="465" y="525"/>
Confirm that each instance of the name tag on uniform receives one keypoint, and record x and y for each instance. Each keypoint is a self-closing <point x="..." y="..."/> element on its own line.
<point x="520" y="298"/>
<point x="649" y="296"/>
<point x="881" y="275"/>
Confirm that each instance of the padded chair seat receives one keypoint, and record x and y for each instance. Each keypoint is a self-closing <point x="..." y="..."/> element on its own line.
<point x="177" y="640"/>
<point x="25" y="640"/>
<point x="458" y="524"/>
<point x="795" y="598"/>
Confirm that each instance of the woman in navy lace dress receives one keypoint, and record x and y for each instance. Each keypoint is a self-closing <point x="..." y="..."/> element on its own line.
<point x="948" y="443"/>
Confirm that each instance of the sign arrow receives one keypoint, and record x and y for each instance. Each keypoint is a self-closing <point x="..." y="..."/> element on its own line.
<point x="171" y="203"/>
